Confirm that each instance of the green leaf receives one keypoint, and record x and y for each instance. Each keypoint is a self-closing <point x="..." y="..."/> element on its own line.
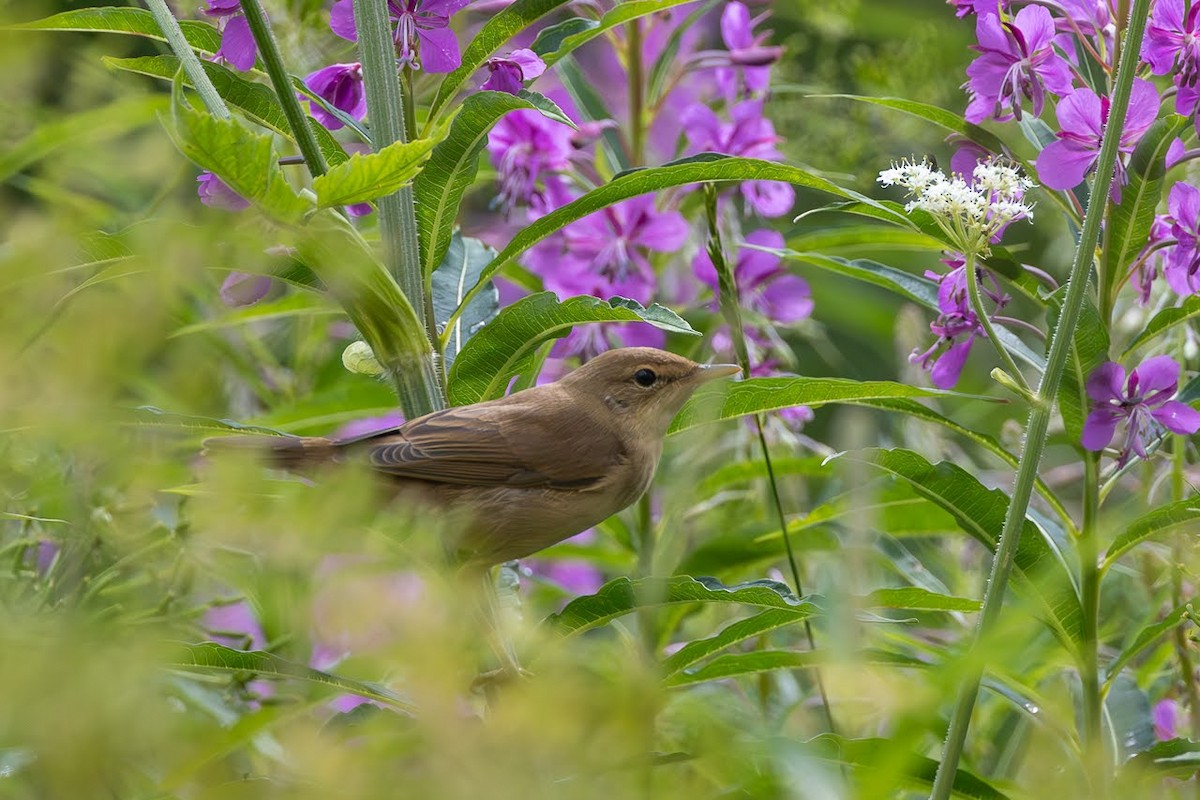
<point x="257" y="101"/>
<point x="502" y="26"/>
<point x="210" y="656"/>
<point x="1174" y="758"/>
<point x="503" y="349"/>
<point x="149" y="416"/>
<point x="72" y="130"/>
<point x="369" y="176"/>
<point x="459" y="271"/>
<point x="450" y="171"/>
<point x="869" y="754"/>
<point x="1089" y="349"/>
<point x="1147" y="636"/>
<point x="1159" y="521"/>
<point x="668" y="57"/>
<point x="563" y="40"/>
<point x="133" y="21"/>
<point x="590" y="102"/>
<point x="1188" y="310"/>
<point x="980" y="513"/>
<point x="857" y="238"/>
<point x="737" y="665"/>
<point x="305" y="304"/>
<point x="916" y="288"/>
<point x="706" y="168"/>
<point x="916" y="599"/>
<point x="756" y="395"/>
<point x="735" y="632"/>
<point x="622" y="596"/>
<point x="244" y="160"/>
<point x="1128" y="226"/>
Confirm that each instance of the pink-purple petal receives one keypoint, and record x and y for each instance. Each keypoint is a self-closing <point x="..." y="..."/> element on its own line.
<point x="1107" y="383"/>
<point x="736" y="26"/>
<point x="787" y="299"/>
<point x="341" y="20"/>
<point x="237" y="44"/>
<point x="439" y="50"/>
<point x="1099" y="427"/>
<point x="1157" y="374"/>
<point x="1063" y="164"/>
<point x="1178" y="417"/>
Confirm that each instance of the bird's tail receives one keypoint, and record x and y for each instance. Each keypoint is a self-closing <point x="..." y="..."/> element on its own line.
<point x="295" y="453"/>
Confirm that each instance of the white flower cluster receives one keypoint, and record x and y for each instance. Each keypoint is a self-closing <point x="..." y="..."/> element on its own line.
<point x="971" y="213"/>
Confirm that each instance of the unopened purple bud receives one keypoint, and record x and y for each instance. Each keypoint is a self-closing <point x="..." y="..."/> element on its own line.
<point x="589" y="132"/>
<point x="244" y="289"/>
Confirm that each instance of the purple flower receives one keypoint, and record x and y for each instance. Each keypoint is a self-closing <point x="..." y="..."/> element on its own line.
<point x="340" y="85"/>
<point x="1159" y="246"/>
<point x="423" y="36"/>
<point x="964" y="7"/>
<point x="967" y="156"/>
<point x="1168" y="720"/>
<point x="749" y="134"/>
<point x="585" y="342"/>
<point x="215" y="193"/>
<point x="1181" y="263"/>
<point x="957" y="325"/>
<point x="606" y="253"/>
<point x="525" y="147"/>
<point x="747" y="54"/>
<point x="1143" y="401"/>
<point x="1017" y="60"/>
<point x="1083" y="115"/>
<point x="574" y="575"/>
<point x="237" y="43"/>
<point x="763" y="284"/>
<point x="244" y="289"/>
<point x="508" y="74"/>
<point x="1173" y="43"/>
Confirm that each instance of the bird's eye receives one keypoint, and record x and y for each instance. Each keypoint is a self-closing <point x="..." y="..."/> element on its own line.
<point x="645" y="377"/>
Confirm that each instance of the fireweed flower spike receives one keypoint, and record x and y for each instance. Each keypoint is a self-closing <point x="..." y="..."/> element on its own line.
<point x="1181" y="264"/>
<point x="341" y="85"/>
<point x="1083" y="115"/>
<point x="1017" y="60"/>
<point x="423" y="38"/>
<point x="1143" y="401"/>
<point x="1173" y="44"/>
<point x="508" y="74"/>
<point x="527" y="150"/>
<point x="970" y="214"/>
<point x="237" y="43"/>
<point x="747" y="54"/>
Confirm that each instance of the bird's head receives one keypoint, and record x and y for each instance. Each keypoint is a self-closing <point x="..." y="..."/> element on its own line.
<point x="644" y="385"/>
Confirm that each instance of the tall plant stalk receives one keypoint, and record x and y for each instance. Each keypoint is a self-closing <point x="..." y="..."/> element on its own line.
<point x="187" y="58"/>
<point x="1040" y="411"/>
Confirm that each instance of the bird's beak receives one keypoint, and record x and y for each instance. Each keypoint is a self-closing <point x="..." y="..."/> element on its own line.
<point x="711" y="372"/>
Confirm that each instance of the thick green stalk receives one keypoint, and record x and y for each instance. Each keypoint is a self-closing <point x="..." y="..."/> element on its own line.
<point x="984" y="320"/>
<point x="397" y="213"/>
<point x="268" y="49"/>
<point x="187" y="58"/>
<point x="1039" y="414"/>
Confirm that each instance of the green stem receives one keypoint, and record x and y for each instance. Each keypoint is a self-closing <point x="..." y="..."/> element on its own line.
<point x="633" y="59"/>
<point x="1039" y="413"/>
<point x="1089" y="665"/>
<point x="397" y="213"/>
<point x="187" y="58"/>
<point x="1187" y="667"/>
<point x="981" y="312"/>
<point x="268" y="49"/>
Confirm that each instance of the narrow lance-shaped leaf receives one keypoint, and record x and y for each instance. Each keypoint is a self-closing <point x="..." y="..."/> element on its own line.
<point x="1161" y="520"/>
<point x="582" y="34"/>
<point x="506" y="346"/>
<point x="1166" y="319"/>
<point x="130" y="21"/>
<point x="736" y="665"/>
<point x="459" y="271"/>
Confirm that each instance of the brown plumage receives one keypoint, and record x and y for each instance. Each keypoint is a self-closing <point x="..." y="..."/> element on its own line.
<point x="532" y="468"/>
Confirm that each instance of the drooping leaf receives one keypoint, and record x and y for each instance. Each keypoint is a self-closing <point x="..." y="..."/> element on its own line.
<point x="1145" y="637"/>
<point x="736" y="665"/>
<point x="369" y="176"/>
<point x="503" y="25"/>
<point x="551" y="37"/>
<point x="1128" y="226"/>
<point x="504" y="347"/>
<point x="917" y="599"/>
<point x="916" y="288"/>
<point x="256" y="100"/>
<point x="735" y="632"/>
<point x="555" y="46"/>
<point x="1161" y="520"/>
<point x="621" y="596"/>
<point x="458" y="272"/>
<point x="303" y="304"/>
<point x="215" y="657"/>
<point x="131" y="21"/>
<point x="1168" y="318"/>
<point x="149" y="416"/>
<point x="450" y="171"/>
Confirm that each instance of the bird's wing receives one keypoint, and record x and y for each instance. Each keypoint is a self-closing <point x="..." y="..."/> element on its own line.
<point x="496" y="444"/>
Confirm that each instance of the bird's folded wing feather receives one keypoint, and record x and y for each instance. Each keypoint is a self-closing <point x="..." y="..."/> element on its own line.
<point x="495" y="445"/>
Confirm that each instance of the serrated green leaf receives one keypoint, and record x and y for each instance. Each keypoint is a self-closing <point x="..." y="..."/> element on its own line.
<point x="257" y="101"/>
<point x="1161" y="520"/>
<point x="980" y="513"/>
<point x="502" y="350"/>
<point x="1168" y="318"/>
<point x="502" y="26"/>
<point x="132" y="21"/>
<point x="210" y="656"/>
<point x="458" y="272"/>
<point x="622" y="596"/>
<point x="557" y="45"/>
<point x="368" y="176"/>
<point x="914" y="598"/>
<point x="1128" y="227"/>
<point x="735" y="632"/>
<point x="452" y="166"/>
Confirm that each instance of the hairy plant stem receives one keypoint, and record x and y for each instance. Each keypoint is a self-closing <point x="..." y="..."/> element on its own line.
<point x="268" y="48"/>
<point x="187" y="58"/>
<point x="1092" y="734"/>
<point x="730" y="304"/>
<point x="422" y="392"/>
<point x="633" y="64"/>
<point x="1039" y="413"/>
<point x="981" y="312"/>
<point x="1187" y="667"/>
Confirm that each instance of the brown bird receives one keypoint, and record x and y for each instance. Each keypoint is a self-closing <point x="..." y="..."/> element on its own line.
<point x="533" y="468"/>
